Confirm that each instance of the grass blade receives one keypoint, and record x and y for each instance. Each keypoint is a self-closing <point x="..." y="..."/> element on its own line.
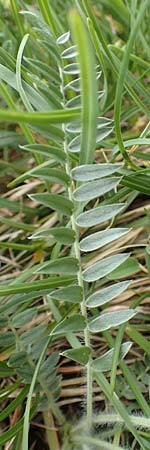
<point x="88" y="85"/>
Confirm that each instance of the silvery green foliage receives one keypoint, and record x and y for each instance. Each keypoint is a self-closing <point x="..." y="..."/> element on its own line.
<point x="86" y="198"/>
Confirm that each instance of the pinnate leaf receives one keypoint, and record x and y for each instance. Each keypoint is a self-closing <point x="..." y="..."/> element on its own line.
<point x="97" y="240"/>
<point x="99" y="215"/>
<point x="89" y="172"/>
<point x="95" y="189"/>
<point x="111" y="320"/>
<point x="80" y="354"/>
<point x="53" y="201"/>
<point x="104" y="362"/>
<point x="102" y="268"/>
<point x="106" y="294"/>
<point x="72" y="323"/>
<point x="67" y="265"/>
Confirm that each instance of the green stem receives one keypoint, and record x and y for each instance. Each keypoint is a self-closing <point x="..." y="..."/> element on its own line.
<point x="52" y="437"/>
<point x="89" y="402"/>
<point x="47" y="15"/>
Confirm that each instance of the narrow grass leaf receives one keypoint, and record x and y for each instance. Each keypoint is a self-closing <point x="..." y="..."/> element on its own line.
<point x="131" y="142"/>
<point x="14" y="404"/>
<point x="115" y="358"/>
<point x="138" y="182"/>
<point x="35" y="285"/>
<point x="118" y="10"/>
<point x="47" y="13"/>
<point x="39" y="118"/>
<point x="102" y="268"/>
<point x="119" y="407"/>
<point x="89" y="102"/>
<point x="137" y="337"/>
<point x="12" y="432"/>
<point x="121" y="78"/>
<point x="132" y="382"/>
<point x="29" y="399"/>
<point x="21" y="90"/>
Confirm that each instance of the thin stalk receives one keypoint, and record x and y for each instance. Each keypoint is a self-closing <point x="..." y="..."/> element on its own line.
<point x="138" y="421"/>
<point x="115" y="358"/>
<point x="99" y="443"/>
<point x="15" y="11"/>
<point x="51" y="434"/>
<point x="47" y="15"/>
<point x="89" y="403"/>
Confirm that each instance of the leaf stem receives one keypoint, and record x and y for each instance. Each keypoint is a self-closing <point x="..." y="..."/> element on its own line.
<point x="89" y="391"/>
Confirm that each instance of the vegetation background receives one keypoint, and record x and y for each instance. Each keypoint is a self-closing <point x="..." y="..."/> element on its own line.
<point x="75" y="224"/>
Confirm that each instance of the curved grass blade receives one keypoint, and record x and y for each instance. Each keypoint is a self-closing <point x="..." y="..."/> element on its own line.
<point x="119" y="407"/>
<point x="138" y="182"/>
<point x="47" y="14"/>
<point x="38" y="118"/>
<point x="28" y="404"/>
<point x="21" y="90"/>
<point x="121" y="79"/>
<point x="13" y="405"/>
<point x="36" y="285"/>
<point x="88" y="87"/>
